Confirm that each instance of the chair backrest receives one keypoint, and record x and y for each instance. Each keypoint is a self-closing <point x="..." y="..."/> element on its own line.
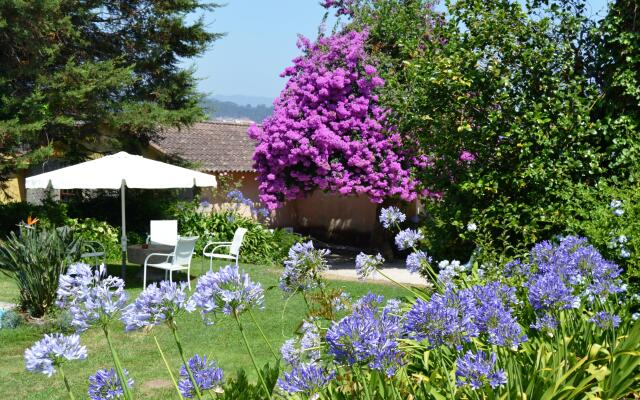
<point x="164" y="232"/>
<point x="237" y="241"/>
<point x="184" y="250"/>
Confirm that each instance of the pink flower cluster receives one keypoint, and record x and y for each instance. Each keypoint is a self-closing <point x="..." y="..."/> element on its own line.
<point x="343" y="7"/>
<point x="327" y="130"/>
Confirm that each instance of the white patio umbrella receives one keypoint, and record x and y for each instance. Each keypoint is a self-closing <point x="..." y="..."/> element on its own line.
<point x="118" y="171"/>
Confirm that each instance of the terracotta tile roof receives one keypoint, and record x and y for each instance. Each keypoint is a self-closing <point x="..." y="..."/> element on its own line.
<point x="212" y="146"/>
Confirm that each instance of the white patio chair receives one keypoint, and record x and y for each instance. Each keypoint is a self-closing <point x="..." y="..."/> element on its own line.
<point x="178" y="260"/>
<point x="163" y="232"/>
<point x="94" y="249"/>
<point x="233" y="246"/>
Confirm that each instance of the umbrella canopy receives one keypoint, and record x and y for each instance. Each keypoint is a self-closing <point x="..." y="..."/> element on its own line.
<point x="110" y="172"/>
<point x="118" y="171"/>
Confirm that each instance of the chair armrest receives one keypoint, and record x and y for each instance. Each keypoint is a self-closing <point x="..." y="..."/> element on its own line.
<point x="97" y="244"/>
<point x="169" y="255"/>
<point x="217" y="244"/>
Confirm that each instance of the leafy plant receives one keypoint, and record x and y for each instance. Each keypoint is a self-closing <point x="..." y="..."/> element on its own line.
<point x="90" y="229"/>
<point x="260" y="245"/>
<point x="9" y="319"/>
<point x="239" y="388"/>
<point x="34" y="258"/>
<point x="610" y="217"/>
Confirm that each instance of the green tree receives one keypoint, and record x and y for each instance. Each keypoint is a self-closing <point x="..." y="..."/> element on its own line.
<point x="618" y="72"/>
<point x="83" y="76"/>
<point x="498" y="94"/>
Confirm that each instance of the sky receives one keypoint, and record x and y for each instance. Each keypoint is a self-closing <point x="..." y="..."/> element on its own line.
<point x="260" y="42"/>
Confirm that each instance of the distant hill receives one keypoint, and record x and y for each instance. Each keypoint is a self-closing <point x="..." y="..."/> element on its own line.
<point x="229" y="110"/>
<point x="242" y="99"/>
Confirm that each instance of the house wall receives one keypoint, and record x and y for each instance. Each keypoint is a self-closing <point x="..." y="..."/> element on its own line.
<point x="14" y="190"/>
<point x="324" y="214"/>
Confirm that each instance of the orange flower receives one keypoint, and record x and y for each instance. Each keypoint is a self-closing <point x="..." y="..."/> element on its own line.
<point x="31" y="220"/>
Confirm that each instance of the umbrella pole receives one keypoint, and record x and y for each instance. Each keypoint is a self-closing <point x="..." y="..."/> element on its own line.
<point x="123" y="237"/>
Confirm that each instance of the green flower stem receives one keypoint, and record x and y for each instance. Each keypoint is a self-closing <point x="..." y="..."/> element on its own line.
<point x="119" y="371"/>
<point x="174" y="330"/>
<point x="306" y="302"/>
<point x="445" y="372"/>
<point x="396" y="393"/>
<point x="253" y="360"/>
<point x="360" y="377"/>
<point x="173" y="379"/>
<point x="66" y="383"/>
<point x="263" y="335"/>
<point x="399" y="284"/>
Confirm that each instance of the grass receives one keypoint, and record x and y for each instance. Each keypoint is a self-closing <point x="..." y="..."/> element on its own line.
<point x="137" y="350"/>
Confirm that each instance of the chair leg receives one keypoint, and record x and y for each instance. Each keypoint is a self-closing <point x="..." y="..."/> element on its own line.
<point x="189" y="276"/>
<point x="210" y="263"/>
<point x="170" y="276"/>
<point x="144" y="278"/>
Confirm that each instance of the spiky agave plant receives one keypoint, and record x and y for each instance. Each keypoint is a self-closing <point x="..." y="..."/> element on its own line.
<point x="34" y="258"/>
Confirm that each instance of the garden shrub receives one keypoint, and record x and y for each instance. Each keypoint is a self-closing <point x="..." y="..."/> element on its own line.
<point x="90" y="229"/>
<point x="261" y="244"/>
<point x="34" y="258"/>
<point x="609" y="215"/>
<point x="9" y="319"/>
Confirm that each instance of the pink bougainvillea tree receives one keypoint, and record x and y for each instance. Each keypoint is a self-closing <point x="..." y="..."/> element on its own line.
<point x="328" y="130"/>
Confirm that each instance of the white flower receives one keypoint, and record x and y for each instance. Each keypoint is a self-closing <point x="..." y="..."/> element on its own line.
<point x="624" y="253"/>
<point x="471" y="227"/>
<point x="615" y="204"/>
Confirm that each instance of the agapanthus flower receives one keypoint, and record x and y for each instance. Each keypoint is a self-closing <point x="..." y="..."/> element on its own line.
<point x="306" y="378"/>
<point x="368" y="336"/>
<point x="391" y="216"/>
<point x="478" y="370"/>
<point x="550" y="292"/>
<point x="238" y="197"/>
<point x="493" y="314"/>
<point x="52" y="351"/>
<point x="516" y="268"/>
<point x="90" y="297"/>
<point x="618" y="212"/>
<point x="303" y="267"/>
<point x="408" y="238"/>
<point x="367" y="264"/>
<point x="228" y="291"/>
<point x="417" y="260"/>
<point x="545" y="322"/>
<point x="289" y="352"/>
<point x="157" y="304"/>
<point x="206" y="374"/>
<point x="105" y="385"/>
<point x="341" y="302"/>
<point x="615" y="204"/>
<point x="448" y="270"/>
<point x="446" y="319"/>
<point x="561" y="275"/>
<point x="605" y="320"/>
<point x="305" y="349"/>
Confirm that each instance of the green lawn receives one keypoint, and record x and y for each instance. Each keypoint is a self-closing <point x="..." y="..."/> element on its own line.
<point x="138" y="352"/>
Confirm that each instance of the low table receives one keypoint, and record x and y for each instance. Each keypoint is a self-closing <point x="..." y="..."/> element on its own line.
<point x="136" y="254"/>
